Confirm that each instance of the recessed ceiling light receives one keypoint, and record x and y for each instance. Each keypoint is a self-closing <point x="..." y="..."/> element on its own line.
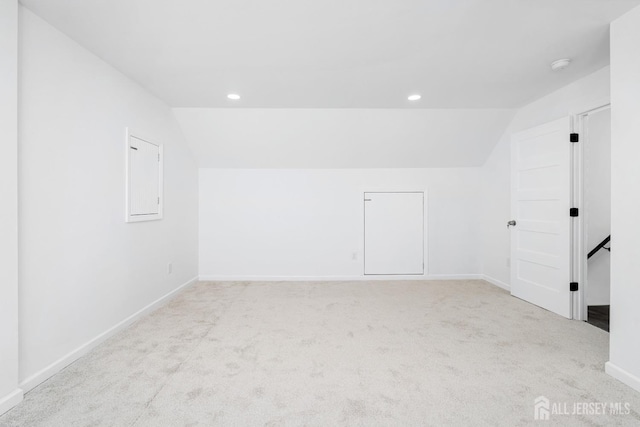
<point x="414" y="97"/>
<point x="560" y="64"/>
<point x="233" y="96"/>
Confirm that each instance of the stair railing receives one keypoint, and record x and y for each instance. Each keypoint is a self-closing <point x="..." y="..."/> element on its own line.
<point x="601" y="245"/>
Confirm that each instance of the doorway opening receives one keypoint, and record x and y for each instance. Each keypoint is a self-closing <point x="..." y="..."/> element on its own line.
<point x="594" y="189"/>
<point x="561" y="216"/>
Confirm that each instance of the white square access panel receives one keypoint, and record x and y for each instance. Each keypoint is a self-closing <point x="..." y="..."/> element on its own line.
<point x="394" y="233"/>
<point x="144" y="179"/>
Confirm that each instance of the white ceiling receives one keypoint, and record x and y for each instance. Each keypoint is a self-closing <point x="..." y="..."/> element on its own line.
<point x="342" y="53"/>
<point x="336" y="138"/>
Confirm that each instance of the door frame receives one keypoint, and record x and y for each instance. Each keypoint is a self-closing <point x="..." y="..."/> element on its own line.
<point x="579" y="240"/>
<point x="577" y="257"/>
<point x="425" y="231"/>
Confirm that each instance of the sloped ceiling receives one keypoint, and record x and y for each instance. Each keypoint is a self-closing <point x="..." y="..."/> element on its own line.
<point x="325" y="83"/>
<point x="342" y="53"/>
<point x="336" y="138"/>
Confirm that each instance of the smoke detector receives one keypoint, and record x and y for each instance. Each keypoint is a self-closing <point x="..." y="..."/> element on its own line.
<point x="560" y="64"/>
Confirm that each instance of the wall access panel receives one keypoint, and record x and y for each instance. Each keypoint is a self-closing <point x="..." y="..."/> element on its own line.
<point x="394" y="233"/>
<point x="144" y="179"/>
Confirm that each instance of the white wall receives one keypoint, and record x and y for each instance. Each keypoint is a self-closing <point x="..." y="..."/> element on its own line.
<point x="83" y="269"/>
<point x="9" y="392"/>
<point x="292" y="223"/>
<point x="625" y="199"/>
<point x="597" y="203"/>
<point x="580" y="96"/>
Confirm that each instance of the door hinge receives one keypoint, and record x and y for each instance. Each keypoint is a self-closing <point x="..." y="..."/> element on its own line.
<point x="158" y="156"/>
<point x="158" y="200"/>
<point x="574" y="137"/>
<point x="573" y="212"/>
<point x="573" y="286"/>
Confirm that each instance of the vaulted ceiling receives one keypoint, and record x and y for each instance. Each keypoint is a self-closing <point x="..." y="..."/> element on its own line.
<point x="342" y="53"/>
<point x="324" y="83"/>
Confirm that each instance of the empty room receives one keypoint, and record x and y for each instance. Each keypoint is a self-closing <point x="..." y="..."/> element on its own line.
<point x="318" y="213"/>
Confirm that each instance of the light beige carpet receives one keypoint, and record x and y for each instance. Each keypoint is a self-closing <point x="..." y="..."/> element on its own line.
<point x="336" y="353"/>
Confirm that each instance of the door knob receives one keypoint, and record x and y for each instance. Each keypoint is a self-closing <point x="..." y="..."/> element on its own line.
<point x="511" y="223"/>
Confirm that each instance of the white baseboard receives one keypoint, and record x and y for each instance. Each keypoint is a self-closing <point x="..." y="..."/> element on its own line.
<point x="454" y="277"/>
<point x="46" y="373"/>
<point x="218" y="278"/>
<point x="11" y="400"/>
<point x="622" y="375"/>
<point x="496" y="282"/>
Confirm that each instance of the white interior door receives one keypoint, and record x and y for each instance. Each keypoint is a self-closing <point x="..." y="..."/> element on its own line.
<point x="540" y="203"/>
<point x="394" y="233"/>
